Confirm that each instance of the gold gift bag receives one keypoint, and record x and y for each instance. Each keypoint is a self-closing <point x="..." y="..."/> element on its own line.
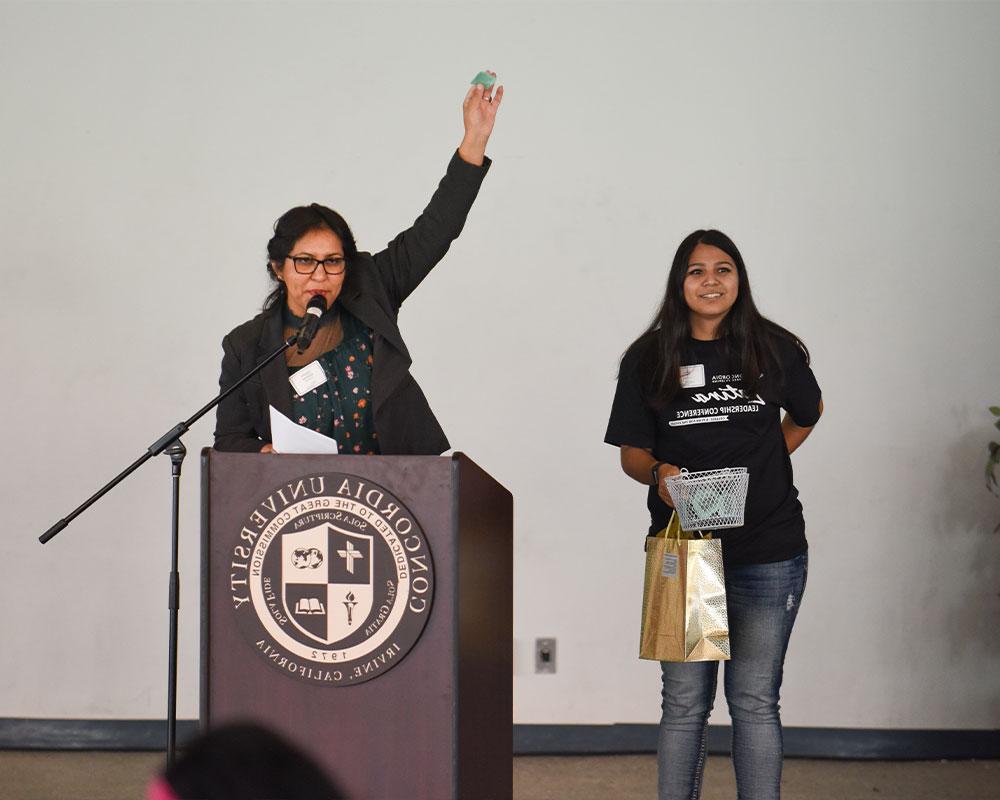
<point x="683" y="598"/>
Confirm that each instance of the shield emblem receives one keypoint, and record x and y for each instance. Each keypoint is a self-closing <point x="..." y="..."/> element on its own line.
<point x="326" y="581"/>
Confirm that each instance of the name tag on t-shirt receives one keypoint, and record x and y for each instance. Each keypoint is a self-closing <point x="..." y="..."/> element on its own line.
<point x="692" y="376"/>
<point x="308" y="378"/>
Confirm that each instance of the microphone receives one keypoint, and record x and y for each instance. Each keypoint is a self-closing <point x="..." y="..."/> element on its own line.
<point x="315" y="310"/>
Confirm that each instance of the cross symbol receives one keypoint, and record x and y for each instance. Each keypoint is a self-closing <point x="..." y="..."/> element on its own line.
<point x="349" y="555"/>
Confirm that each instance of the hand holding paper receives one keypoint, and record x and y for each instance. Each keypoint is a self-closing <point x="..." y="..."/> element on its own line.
<point x="287" y="437"/>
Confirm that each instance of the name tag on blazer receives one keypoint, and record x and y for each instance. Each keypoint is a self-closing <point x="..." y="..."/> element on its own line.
<point x="308" y="378"/>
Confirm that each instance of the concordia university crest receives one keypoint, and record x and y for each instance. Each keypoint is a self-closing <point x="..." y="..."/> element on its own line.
<point x="331" y="579"/>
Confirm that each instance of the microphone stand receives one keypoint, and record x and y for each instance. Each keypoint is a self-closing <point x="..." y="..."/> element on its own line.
<point x="170" y="444"/>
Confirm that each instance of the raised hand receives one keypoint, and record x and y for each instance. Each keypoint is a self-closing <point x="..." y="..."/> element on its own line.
<point x="479" y="112"/>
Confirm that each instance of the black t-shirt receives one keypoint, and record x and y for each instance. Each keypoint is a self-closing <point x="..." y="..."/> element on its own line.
<point x="712" y="424"/>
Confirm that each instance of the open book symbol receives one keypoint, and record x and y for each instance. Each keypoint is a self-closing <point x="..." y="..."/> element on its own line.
<point x="309" y="605"/>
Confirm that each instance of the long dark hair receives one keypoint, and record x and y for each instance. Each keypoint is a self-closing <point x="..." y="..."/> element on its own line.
<point x="748" y="337"/>
<point x="292" y="226"/>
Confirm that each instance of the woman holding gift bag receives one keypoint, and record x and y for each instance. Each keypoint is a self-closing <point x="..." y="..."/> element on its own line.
<point x="704" y="388"/>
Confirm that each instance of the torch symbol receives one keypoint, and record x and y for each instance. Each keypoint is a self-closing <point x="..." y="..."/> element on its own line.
<point x="349" y="603"/>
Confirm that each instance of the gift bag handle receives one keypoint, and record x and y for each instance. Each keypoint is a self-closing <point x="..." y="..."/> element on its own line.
<point x="675" y="521"/>
<point x="673" y="529"/>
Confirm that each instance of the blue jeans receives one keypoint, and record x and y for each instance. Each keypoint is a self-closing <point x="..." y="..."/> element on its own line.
<point x="762" y="601"/>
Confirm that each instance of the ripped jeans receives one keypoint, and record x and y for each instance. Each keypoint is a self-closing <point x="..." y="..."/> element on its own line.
<point x="762" y="602"/>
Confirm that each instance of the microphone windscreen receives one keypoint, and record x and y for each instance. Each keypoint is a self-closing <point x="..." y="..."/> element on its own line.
<point x="316" y="306"/>
<point x="314" y="310"/>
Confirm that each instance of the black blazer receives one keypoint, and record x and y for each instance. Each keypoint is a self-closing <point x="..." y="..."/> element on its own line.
<point x="373" y="291"/>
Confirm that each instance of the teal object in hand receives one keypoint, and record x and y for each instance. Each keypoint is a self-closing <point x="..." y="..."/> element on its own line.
<point x="485" y="79"/>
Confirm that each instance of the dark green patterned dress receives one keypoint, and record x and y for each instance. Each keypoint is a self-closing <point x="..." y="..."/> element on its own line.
<point x="341" y="408"/>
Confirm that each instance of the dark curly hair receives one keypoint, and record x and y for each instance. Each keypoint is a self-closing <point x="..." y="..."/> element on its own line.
<point x="292" y="226"/>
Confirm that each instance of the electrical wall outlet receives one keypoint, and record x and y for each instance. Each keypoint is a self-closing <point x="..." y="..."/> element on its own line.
<point x="545" y="656"/>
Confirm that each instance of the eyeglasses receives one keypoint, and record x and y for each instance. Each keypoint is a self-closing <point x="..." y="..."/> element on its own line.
<point x="306" y="265"/>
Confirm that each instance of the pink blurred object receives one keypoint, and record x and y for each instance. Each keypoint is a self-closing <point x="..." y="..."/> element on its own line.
<point x="159" y="789"/>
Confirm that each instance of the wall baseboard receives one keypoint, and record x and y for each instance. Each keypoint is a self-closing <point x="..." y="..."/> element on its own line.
<point x="841" y="743"/>
<point x="90" y="734"/>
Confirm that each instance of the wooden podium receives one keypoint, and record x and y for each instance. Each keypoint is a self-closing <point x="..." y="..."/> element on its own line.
<point x="362" y="607"/>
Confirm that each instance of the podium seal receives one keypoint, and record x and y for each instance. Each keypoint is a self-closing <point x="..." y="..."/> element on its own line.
<point x="331" y="579"/>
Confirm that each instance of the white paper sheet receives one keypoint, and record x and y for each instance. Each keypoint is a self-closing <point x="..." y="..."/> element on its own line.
<point x="287" y="437"/>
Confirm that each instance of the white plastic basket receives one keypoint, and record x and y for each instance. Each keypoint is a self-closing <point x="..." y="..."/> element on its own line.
<point x="711" y="499"/>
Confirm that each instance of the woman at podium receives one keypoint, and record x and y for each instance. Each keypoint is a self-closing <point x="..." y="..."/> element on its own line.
<point x="352" y="383"/>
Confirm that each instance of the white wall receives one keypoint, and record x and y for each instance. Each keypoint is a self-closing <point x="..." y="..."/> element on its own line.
<point x="850" y="149"/>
